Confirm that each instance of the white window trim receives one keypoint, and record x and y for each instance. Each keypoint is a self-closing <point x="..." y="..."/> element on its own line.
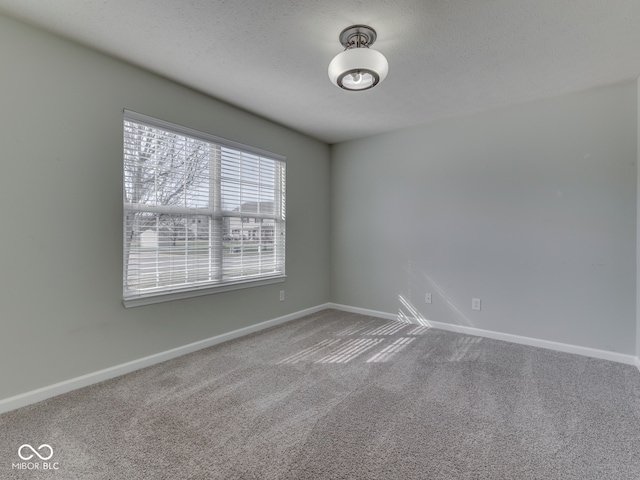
<point x="194" y="290"/>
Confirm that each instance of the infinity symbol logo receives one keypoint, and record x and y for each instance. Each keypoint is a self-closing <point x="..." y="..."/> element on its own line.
<point x="29" y="456"/>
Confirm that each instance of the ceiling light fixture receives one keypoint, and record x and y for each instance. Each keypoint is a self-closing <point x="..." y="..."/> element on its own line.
<point x="358" y="67"/>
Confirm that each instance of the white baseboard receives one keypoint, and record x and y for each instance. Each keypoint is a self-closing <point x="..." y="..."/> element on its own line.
<point x="507" y="337"/>
<point x="43" y="393"/>
<point x="363" y="311"/>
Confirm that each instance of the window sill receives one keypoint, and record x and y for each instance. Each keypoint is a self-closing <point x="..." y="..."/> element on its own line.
<point x="179" y="295"/>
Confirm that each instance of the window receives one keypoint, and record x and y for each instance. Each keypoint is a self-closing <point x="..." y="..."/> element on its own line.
<point x="201" y="214"/>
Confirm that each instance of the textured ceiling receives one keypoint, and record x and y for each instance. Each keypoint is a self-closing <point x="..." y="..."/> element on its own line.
<point x="446" y="57"/>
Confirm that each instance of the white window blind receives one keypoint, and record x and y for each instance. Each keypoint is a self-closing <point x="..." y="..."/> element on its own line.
<point x="201" y="214"/>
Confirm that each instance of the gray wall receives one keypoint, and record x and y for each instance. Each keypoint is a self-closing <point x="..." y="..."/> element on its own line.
<point x="532" y="209"/>
<point x="61" y="314"/>
<point x="638" y="236"/>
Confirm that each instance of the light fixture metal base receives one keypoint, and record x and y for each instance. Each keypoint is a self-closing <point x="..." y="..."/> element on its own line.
<point x="358" y="36"/>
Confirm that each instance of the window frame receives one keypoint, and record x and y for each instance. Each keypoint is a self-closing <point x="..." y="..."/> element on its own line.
<point x="215" y="213"/>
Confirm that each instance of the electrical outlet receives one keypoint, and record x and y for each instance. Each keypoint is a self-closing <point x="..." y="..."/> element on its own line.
<point x="427" y="298"/>
<point x="475" y="304"/>
<point x="282" y="295"/>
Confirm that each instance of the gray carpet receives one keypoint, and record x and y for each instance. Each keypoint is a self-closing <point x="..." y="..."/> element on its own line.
<point x="342" y="396"/>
